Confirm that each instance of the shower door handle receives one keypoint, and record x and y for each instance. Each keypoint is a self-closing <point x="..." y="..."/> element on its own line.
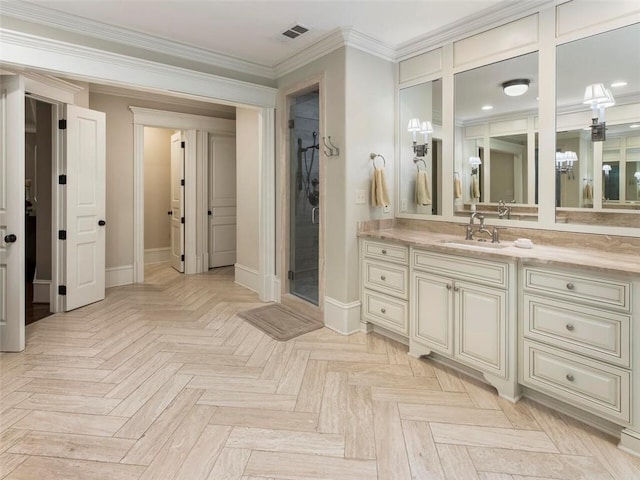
<point x="314" y="212"/>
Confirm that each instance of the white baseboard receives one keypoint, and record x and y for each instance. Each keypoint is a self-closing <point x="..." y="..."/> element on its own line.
<point x="248" y="278"/>
<point x="276" y="291"/>
<point x="41" y="291"/>
<point x="157" y="255"/>
<point x="341" y="317"/>
<point x="116" y="276"/>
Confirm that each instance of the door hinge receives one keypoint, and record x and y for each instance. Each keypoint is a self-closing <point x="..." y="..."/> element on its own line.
<point x="182" y="144"/>
<point x="182" y="258"/>
<point x="182" y="182"/>
<point x="291" y="275"/>
<point x="62" y="179"/>
<point x="209" y="212"/>
<point x="181" y="219"/>
<point x="292" y="123"/>
<point x="62" y="124"/>
<point x="62" y="289"/>
<point x="62" y="234"/>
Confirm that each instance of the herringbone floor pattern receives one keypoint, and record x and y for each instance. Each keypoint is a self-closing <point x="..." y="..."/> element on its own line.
<point x="164" y="381"/>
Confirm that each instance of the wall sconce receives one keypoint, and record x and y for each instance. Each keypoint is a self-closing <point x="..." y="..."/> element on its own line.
<point x="606" y="169"/>
<point x="564" y="163"/>
<point x="415" y="126"/>
<point x="599" y="98"/>
<point x="474" y="162"/>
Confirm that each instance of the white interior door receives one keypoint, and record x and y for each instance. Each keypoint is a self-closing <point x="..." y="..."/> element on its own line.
<point x="85" y="207"/>
<point x="12" y="238"/>
<point x="177" y="202"/>
<point x="222" y="201"/>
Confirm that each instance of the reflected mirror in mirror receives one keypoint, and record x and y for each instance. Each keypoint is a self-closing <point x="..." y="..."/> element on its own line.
<point x="420" y="149"/>
<point x="495" y="115"/>
<point x="598" y="83"/>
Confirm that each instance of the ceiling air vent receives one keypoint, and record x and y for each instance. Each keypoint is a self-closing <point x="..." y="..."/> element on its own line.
<point x="295" y="31"/>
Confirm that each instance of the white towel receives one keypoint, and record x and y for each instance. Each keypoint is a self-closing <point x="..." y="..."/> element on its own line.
<point x="457" y="188"/>
<point x="423" y="188"/>
<point x="379" y="195"/>
<point x="475" y="187"/>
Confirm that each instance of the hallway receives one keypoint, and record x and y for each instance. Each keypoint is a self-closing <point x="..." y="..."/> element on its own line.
<point x="164" y="381"/>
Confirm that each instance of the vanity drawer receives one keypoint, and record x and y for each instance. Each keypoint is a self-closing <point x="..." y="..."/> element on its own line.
<point x="385" y="251"/>
<point x="591" y="290"/>
<point x="597" y="333"/>
<point x="490" y="273"/>
<point x="388" y="312"/>
<point x="593" y="385"/>
<point x="386" y="278"/>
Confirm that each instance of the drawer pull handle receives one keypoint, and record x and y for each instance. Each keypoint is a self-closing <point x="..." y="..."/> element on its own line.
<point x="448" y="287"/>
<point x="570" y="286"/>
<point x="570" y="327"/>
<point x="383" y="278"/>
<point x="384" y="252"/>
<point x="570" y="377"/>
<point x="383" y="310"/>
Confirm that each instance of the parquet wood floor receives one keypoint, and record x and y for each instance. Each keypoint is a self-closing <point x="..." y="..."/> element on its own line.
<point x="165" y="381"/>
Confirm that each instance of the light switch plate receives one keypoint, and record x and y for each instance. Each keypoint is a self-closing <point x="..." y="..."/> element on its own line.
<point x="361" y="197"/>
<point x="386" y="209"/>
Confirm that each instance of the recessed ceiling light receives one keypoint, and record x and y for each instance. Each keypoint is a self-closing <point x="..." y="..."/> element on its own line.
<point x="635" y="125"/>
<point x="517" y="87"/>
<point x="487" y="107"/>
<point x="619" y="84"/>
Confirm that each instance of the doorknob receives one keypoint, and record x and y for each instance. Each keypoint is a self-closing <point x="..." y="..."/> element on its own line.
<point x="169" y="212"/>
<point x="11" y="238"/>
<point x="102" y="223"/>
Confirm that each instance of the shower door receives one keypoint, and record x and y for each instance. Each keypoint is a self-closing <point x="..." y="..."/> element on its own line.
<point x="304" y="194"/>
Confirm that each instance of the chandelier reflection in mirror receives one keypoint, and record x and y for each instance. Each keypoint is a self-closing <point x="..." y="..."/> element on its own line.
<point x="565" y="162"/>
<point x="599" y="98"/>
<point x="426" y="128"/>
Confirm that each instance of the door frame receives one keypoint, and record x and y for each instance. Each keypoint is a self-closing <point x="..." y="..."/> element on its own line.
<point x="196" y="128"/>
<point x="315" y="82"/>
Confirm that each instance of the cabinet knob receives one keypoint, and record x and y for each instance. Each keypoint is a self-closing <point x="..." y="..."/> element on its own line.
<point x="384" y="252"/>
<point x="456" y="289"/>
<point x="570" y="327"/>
<point x="383" y="310"/>
<point x="570" y="286"/>
<point x="569" y="377"/>
<point x="448" y="287"/>
<point x="383" y="278"/>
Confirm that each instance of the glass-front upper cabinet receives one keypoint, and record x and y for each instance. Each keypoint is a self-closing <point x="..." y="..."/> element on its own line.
<point x="496" y="149"/>
<point x="420" y="180"/>
<point x="598" y="127"/>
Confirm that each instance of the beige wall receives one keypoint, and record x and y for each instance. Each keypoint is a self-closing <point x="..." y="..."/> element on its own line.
<point x="247" y="187"/>
<point x="119" y="169"/>
<point x="157" y="187"/>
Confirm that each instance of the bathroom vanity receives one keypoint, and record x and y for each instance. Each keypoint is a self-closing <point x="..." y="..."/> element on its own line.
<point x="552" y="323"/>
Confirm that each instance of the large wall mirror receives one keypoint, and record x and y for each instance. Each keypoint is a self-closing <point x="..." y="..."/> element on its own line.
<point x="496" y="108"/>
<point x="420" y="180"/>
<point x="598" y="129"/>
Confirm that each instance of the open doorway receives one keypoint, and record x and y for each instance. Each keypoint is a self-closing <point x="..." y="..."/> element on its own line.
<point x="38" y="208"/>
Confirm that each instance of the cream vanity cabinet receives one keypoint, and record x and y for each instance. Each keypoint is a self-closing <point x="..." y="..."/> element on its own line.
<point x="385" y="285"/>
<point x="577" y="337"/>
<point x="463" y="308"/>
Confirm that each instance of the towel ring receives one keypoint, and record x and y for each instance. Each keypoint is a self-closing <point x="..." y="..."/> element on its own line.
<point x="456" y="175"/>
<point x="417" y="160"/>
<point x="373" y="157"/>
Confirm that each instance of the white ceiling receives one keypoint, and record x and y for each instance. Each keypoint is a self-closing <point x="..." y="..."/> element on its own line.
<point x="251" y="30"/>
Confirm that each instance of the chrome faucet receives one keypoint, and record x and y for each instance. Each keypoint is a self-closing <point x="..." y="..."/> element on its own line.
<point x="472" y="229"/>
<point x="504" y="210"/>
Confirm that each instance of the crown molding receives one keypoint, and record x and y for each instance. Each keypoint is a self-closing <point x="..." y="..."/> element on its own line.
<point x="368" y="44"/>
<point x="93" y="65"/>
<point x="71" y="23"/>
<point x="471" y="25"/>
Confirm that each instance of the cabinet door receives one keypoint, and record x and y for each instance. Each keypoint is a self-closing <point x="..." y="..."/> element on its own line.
<point x="480" y="320"/>
<point x="432" y="312"/>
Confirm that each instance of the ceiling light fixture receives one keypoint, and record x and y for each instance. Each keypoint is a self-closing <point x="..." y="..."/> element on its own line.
<point x="487" y="107"/>
<point x="517" y="87"/>
<point x="619" y="84"/>
<point x="635" y="125"/>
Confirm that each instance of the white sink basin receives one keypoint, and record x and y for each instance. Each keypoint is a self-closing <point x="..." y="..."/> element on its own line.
<point x="475" y="244"/>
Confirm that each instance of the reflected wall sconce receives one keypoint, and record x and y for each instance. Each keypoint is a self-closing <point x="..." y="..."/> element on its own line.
<point x="637" y="176"/>
<point x="606" y="169"/>
<point x="517" y="87"/>
<point x="599" y="98"/>
<point x="564" y="163"/>
<point x="475" y="163"/>
<point x="416" y="126"/>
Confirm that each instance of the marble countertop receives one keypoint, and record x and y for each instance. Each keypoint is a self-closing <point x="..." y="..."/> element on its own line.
<point x="540" y="254"/>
